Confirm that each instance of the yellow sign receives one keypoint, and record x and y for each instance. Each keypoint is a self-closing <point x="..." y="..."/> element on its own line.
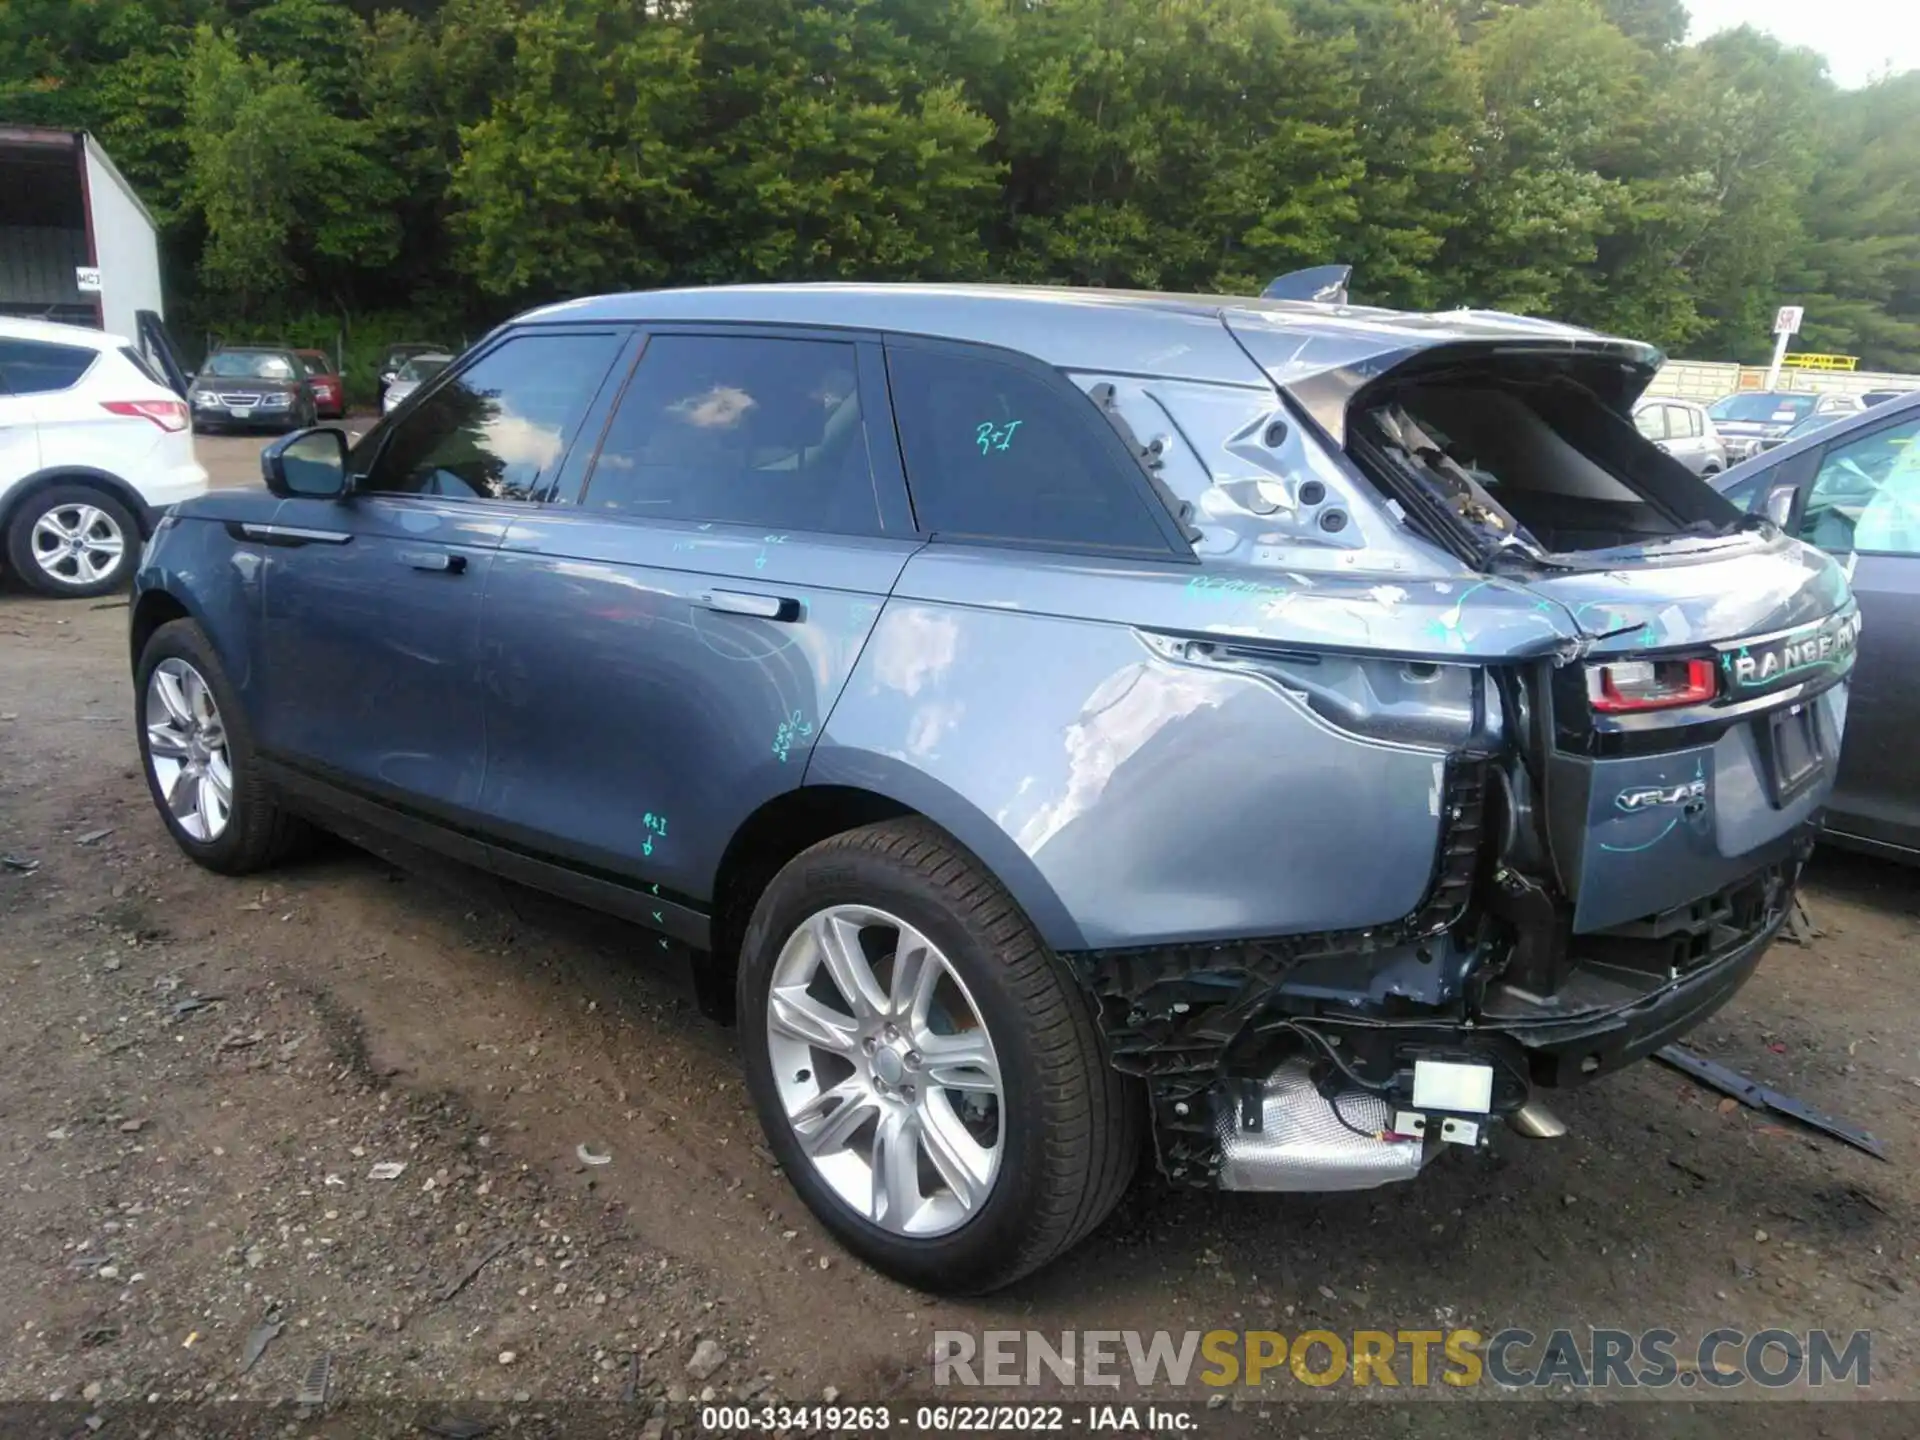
<point x="1821" y="362"/>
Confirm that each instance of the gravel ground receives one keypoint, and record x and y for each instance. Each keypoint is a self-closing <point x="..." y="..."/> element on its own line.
<point x="203" y="1082"/>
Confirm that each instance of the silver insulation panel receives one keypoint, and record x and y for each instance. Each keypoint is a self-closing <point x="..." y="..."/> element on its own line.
<point x="1302" y="1146"/>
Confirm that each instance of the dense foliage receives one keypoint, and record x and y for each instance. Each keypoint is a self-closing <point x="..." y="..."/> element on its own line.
<point x="443" y="162"/>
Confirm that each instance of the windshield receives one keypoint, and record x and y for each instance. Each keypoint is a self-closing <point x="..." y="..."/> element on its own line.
<point x="1762" y="407"/>
<point x="1811" y="424"/>
<point x="424" y="367"/>
<point x="250" y="365"/>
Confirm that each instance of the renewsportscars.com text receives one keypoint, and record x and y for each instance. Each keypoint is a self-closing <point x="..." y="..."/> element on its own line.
<point x="1512" y="1358"/>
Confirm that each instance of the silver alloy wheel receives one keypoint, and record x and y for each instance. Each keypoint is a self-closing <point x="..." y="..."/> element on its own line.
<point x="77" y="543"/>
<point x="187" y="749"/>
<point x="886" y="1070"/>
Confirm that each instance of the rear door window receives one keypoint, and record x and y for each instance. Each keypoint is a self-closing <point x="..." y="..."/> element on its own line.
<point x="1866" y="494"/>
<point x="996" y="451"/>
<point x="743" y="430"/>
<point x="34" y="367"/>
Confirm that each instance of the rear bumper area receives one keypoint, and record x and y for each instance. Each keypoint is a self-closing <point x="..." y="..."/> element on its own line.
<point x="1596" y="1023"/>
<point x="1296" y="1062"/>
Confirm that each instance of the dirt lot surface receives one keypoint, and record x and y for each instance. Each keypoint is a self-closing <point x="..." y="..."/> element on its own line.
<point x="199" y="1077"/>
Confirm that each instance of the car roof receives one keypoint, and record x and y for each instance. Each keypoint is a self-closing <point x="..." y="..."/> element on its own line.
<point x="13" y="328"/>
<point x="1668" y="400"/>
<point x="1869" y="419"/>
<point x="321" y="353"/>
<point x="1140" y="331"/>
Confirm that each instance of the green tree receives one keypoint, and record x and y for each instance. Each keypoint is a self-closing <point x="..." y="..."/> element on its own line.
<point x="284" y="187"/>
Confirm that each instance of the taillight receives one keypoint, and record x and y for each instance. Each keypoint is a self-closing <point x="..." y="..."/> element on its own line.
<point x="1629" y="685"/>
<point x="169" y="415"/>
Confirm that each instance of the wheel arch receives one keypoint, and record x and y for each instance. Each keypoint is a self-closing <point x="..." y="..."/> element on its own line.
<point x="833" y="803"/>
<point x="152" y="609"/>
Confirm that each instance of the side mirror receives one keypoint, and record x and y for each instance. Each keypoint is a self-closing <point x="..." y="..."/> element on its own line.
<point x="307" y="465"/>
<point x="1779" y="506"/>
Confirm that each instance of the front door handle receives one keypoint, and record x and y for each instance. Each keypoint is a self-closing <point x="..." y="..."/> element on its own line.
<point x="435" y="560"/>
<point x="760" y="607"/>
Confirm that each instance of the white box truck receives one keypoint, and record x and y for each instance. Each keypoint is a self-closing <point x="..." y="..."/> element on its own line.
<point x="76" y="244"/>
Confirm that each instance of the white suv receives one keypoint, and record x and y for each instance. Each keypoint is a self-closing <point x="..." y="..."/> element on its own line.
<point x="92" y="448"/>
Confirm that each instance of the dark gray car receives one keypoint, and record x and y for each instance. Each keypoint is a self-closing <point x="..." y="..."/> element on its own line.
<point x="1291" y="736"/>
<point x="247" y="387"/>
<point x="1852" y="488"/>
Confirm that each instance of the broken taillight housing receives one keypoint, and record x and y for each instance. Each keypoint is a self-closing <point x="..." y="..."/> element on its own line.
<point x="1624" y="686"/>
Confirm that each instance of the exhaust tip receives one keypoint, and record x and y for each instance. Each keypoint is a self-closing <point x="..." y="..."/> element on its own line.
<point x="1535" y="1121"/>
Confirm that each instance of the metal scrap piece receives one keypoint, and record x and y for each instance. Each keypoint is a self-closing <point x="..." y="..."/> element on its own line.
<point x="1756" y="1096"/>
<point x="465" y="1278"/>
<point x="317" y="1381"/>
<point x="257" y="1342"/>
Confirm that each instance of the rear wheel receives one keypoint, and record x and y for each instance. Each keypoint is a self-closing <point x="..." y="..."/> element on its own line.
<point x="197" y="752"/>
<point x="926" y="1071"/>
<point x="73" y="540"/>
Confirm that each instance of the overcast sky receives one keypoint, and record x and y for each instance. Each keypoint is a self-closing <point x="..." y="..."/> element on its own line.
<point x="1860" y="38"/>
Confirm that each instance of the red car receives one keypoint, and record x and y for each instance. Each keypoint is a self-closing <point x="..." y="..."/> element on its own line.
<point x="329" y="395"/>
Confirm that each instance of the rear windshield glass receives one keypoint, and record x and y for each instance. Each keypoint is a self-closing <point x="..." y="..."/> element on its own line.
<point x="1762" y="407"/>
<point x="317" y="364"/>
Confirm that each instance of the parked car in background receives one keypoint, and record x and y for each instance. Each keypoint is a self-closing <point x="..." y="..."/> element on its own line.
<point x="412" y="374"/>
<point x="1852" y="489"/>
<point x="250" y="387"/>
<point x="1748" y="417"/>
<point x="397" y="356"/>
<point x="326" y="382"/>
<point x="1685" y="431"/>
<point x="1880" y="397"/>
<point x="1813" y="422"/>
<point x="1043" y="732"/>
<point x="93" y="448"/>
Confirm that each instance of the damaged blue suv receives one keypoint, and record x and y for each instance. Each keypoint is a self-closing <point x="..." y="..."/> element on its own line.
<point x="1285" y="736"/>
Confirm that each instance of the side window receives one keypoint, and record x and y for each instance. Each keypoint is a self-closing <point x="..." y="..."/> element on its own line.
<point x="1651" y="421"/>
<point x="1689" y="425"/>
<point x="743" y="430"/>
<point x="993" y="451"/>
<point x="498" y="429"/>
<point x="1866" y="495"/>
<point x="32" y="367"/>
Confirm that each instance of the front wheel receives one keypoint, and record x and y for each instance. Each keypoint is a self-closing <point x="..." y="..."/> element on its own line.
<point x="197" y="751"/>
<point x="924" y="1068"/>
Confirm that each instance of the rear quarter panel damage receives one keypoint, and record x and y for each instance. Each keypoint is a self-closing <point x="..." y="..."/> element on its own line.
<point x="1148" y="800"/>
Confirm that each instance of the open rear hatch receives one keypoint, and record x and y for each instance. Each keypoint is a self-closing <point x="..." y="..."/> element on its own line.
<point x="1685" y="743"/>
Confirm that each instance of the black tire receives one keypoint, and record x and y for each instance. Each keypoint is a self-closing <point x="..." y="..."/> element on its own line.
<point x="258" y="833"/>
<point x="1071" y="1123"/>
<point x="21" y="546"/>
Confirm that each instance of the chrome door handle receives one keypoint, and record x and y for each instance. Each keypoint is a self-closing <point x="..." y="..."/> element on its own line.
<point x="760" y="607"/>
